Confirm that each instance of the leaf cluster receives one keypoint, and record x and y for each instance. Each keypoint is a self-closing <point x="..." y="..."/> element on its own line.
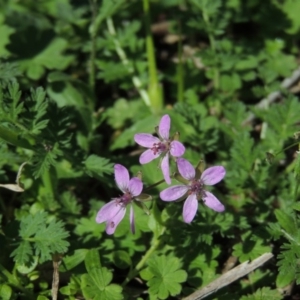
<point x="40" y="237"/>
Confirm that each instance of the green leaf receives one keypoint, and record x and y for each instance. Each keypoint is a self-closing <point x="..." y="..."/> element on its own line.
<point x="24" y="269"/>
<point x="35" y="66"/>
<point x="291" y="8"/>
<point x="5" y="32"/>
<point x="230" y="83"/>
<point x="126" y="138"/>
<point x="95" y="285"/>
<point x="249" y="249"/>
<point x="263" y="293"/>
<point x="122" y="259"/>
<point x="288" y="269"/>
<point x="71" y="261"/>
<point x="88" y="229"/>
<point x="285" y="278"/>
<point x="167" y="276"/>
<point x="98" y="166"/>
<point x="51" y="239"/>
<point x="5" y="292"/>
<point x="46" y="238"/>
<point x="251" y="62"/>
<point x="286" y="221"/>
<point x="106" y="10"/>
<point x="92" y="260"/>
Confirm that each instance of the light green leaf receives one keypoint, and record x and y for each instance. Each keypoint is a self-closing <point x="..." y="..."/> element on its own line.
<point x="95" y="285"/>
<point x="263" y="293"/>
<point x="98" y="166"/>
<point x="5" y="292"/>
<point x="92" y="260"/>
<point x="285" y="277"/>
<point x="35" y="66"/>
<point x="167" y="276"/>
<point x="71" y="261"/>
<point x="286" y="221"/>
<point x="5" y="32"/>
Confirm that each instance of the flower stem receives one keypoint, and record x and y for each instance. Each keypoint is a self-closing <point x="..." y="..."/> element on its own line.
<point x="122" y="55"/>
<point x="154" y="88"/>
<point x="154" y="185"/>
<point x="155" y="243"/>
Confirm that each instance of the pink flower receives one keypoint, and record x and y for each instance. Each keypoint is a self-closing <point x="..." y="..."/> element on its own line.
<point x="160" y="146"/>
<point x="195" y="189"/>
<point x="114" y="211"/>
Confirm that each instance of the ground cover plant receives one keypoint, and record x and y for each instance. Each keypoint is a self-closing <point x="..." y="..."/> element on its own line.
<point x="149" y="148"/>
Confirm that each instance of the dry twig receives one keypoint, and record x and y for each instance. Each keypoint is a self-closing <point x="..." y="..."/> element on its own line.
<point x="285" y="84"/>
<point x="229" y="277"/>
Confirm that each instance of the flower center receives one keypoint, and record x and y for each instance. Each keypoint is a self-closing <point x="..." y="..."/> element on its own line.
<point x="124" y="199"/>
<point x="160" y="147"/>
<point x="196" y="187"/>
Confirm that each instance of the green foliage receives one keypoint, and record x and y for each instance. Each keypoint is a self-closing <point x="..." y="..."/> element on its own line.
<point x="78" y="79"/>
<point x="164" y="276"/>
<point x="98" y="166"/>
<point x="41" y="237"/>
<point x="96" y="283"/>
<point x="264" y="293"/>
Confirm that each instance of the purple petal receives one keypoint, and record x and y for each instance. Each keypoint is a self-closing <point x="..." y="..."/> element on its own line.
<point x="135" y="186"/>
<point x="212" y="202"/>
<point x="108" y="211"/>
<point x="177" y="149"/>
<point x="121" y="177"/>
<point x="164" y="127"/>
<point x="148" y="156"/>
<point x="131" y="220"/>
<point x="190" y="208"/>
<point x="112" y="223"/>
<point x="173" y="193"/>
<point x="213" y="175"/>
<point x="145" y="139"/>
<point x="185" y="169"/>
<point x="165" y="168"/>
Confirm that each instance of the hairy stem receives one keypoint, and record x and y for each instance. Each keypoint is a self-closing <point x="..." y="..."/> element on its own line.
<point x="154" y="245"/>
<point x="122" y="55"/>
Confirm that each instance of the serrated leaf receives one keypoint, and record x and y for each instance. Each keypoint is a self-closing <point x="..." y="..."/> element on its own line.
<point x="30" y="223"/>
<point x="92" y="260"/>
<point x="249" y="250"/>
<point x="286" y="221"/>
<point x="98" y="166"/>
<point x="36" y="65"/>
<point x="106" y="10"/>
<point x="71" y="261"/>
<point x="263" y="293"/>
<point x="95" y="285"/>
<point x="167" y="276"/>
<point x="46" y="239"/>
<point x="23" y="253"/>
<point x="285" y="277"/>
